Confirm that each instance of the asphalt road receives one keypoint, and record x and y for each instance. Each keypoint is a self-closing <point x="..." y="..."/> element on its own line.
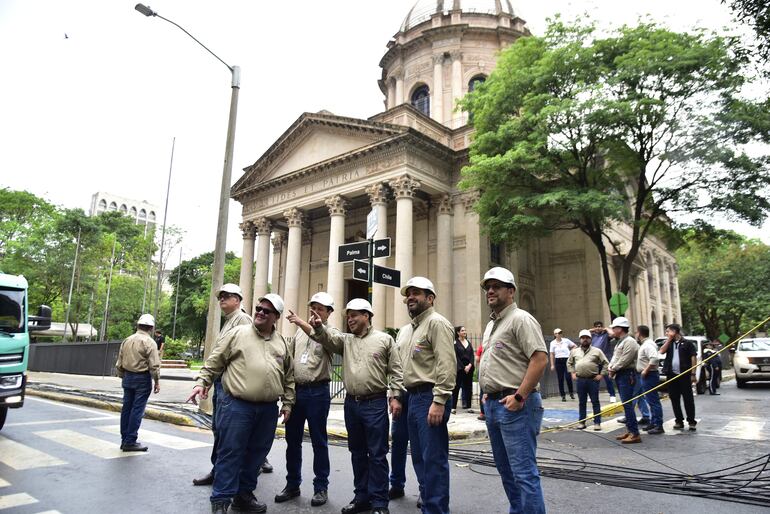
<point x="57" y="457"/>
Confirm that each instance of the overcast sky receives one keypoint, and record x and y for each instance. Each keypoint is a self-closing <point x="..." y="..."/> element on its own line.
<point x="97" y="110"/>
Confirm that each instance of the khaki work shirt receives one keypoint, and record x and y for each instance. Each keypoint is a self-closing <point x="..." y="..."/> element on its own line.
<point x="235" y="319"/>
<point x="625" y="354"/>
<point x="510" y="340"/>
<point x="253" y="368"/>
<point x="312" y="362"/>
<point x="367" y="360"/>
<point x="587" y="363"/>
<point x="139" y="353"/>
<point x="426" y="348"/>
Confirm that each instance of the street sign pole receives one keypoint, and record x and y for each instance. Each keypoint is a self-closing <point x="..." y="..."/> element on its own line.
<point x="371" y="268"/>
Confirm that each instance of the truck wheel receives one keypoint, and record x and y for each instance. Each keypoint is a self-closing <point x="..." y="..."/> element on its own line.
<point x="3" y="415"/>
<point x="740" y="383"/>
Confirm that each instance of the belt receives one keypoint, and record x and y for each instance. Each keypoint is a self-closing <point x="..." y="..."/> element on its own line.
<point x="591" y="377"/>
<point x="317" y="383"/>
<point x="421" y="388"/>
<point x="500" y="394"/>
<point x="368" y="397"/>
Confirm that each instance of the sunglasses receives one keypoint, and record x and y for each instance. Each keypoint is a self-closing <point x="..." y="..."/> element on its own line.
<point x="226" y="296"/>
<point x="259" y="309"/>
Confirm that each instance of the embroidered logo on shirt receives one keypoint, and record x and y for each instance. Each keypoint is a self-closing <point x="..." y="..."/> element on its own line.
<point x="499" y="345"/>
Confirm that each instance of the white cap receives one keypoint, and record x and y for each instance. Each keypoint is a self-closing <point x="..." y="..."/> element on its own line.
<point x="359" y="304"/>
<point x="557" y="331"/>
<point x="585" y="332"/>
<point x="275" y="300"/>
<point x="498" y="273"/>
<point x="146" y="319"/>
<point x="232" y="289"/>
<point x="420" y="283"/>
<point x="620" y="321"/>
<point x="324" y="299"/>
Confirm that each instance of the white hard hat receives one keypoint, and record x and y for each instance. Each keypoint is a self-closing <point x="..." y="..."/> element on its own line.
<point x="620" y="321"/>
<point x="585" y="332"/>
<point x="557" y="331"/>
<point x="146" y="319"/>
<point x="359" y="304"/>
<point x="498" y="273"/>
<point x="232" y="289"/>
<point x="324" y="299"/>
<point x="275" y="300"/>
<point x="420" y="283"/>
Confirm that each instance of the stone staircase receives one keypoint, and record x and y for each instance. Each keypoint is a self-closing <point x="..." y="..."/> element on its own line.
<point x="173" y="364"/>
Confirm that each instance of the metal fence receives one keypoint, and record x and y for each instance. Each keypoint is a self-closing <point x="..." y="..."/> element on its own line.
<point x="95" y="358"/>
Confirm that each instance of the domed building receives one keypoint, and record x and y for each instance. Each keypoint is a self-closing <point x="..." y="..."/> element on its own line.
<point x="312" y="190"/>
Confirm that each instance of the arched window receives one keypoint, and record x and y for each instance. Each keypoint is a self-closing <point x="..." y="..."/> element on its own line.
<point x="113" y="206"/>
<point x="123" y="209"/>
<point x="132" y="213"/>
<point x="102" y="206"/>
<point x="142" y="217"/>
<point x="421" y="100"/>
<point x="476" y="82"/>
<point x="151" y="217"/>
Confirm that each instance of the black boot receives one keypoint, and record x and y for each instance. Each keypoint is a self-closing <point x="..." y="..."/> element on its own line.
<point x="247" y="502"/>
<point x="219" y="507"/>
<point x="207" y="480"/>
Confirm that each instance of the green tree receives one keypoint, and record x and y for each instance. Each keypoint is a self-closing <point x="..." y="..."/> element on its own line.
<point x="579" y="130"/>
<point x="755" y="13"/>
<point x="716" y="298"/>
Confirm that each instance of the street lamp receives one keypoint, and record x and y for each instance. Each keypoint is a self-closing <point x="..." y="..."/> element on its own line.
<point x="218" y="269"/>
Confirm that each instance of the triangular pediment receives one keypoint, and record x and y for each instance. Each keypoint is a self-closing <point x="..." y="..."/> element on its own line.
<point x="312" y="139"/>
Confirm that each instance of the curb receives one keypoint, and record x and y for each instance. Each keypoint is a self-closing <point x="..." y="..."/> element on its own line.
<point x="149" y="413"/>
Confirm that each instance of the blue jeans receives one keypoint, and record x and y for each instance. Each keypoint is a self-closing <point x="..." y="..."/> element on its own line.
<point x="656" y="409"/>
<point x="246" y="432"/>
<point x="644" y="409"/>
<point x="399" y="440"/>
<point x="610" y="386"/>
<point x="513" y="436"/>
<point x="367" y="426"/>
<point x="588" y="387"/>
<point x="136" y="390"/>
<point x="312" y="405"/>
<point x="430" y="453"/>
<point x="215" y="395"/>
<point x="626" y="380"/>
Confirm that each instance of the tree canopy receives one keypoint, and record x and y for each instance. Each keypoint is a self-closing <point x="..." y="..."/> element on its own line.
<point x="593" y="131"/>
<point x="755" y="13"/>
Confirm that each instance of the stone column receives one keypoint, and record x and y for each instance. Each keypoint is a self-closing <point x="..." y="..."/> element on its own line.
<point x="659" y="293"/>
<point x="378" y="197"/>
<point x="391" y="100"/>
<point x="677" y="300"/>
<point x="473" y="267"/>
<point x="646" y="299"/>
<point x="263" y="228"/>
<point x="437" y="98"/>
<point x="404" y="189"/>
<point x="336" y="278"/>
<point x="294" y="219"/>
<point x="457" y="78"/>
<point x="444" y="242"/>
<point x="399" y="88"/>
<point x="247" y="262"/>
<point x="667" y="292"/>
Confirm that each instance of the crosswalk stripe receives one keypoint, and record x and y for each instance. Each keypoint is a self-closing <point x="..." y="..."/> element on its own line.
<point x="86" y="443"/>
<point x="168" y="441"/>
<point x="16" y="500"/>
<point x="20" y="456"/>
<point x="3" y="483"/>
<point x="50" y="512"/>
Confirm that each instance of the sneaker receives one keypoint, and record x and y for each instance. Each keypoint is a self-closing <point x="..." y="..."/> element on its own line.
<point x="563" y="398"/>
<point x="691" y="426"/>
<point x="597" y="427"/>
<point x="266" y="467"/>
<point x="572" y="395"/>
<point x="644" y="421"/>
<point x="612" y="399"/>
<point x="481" y="417"/>
<point x="678" y="425"/>
<point x="655" y="430"/>
<point x="581" y="426"/>
<point x="454" y="411"/>
<point x="621" y="420"/>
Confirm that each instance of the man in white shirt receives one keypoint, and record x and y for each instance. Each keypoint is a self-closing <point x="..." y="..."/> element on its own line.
<point x="647" y="362"/>
<point x="559" y="353"/>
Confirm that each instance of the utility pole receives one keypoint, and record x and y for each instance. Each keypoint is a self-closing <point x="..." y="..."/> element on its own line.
<point x="109" y="286"/>
<point x="163" y="235"/>
<point x="72" y="282"/>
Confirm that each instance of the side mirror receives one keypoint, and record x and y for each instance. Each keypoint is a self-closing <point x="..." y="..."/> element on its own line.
<point x="42" y="321"/>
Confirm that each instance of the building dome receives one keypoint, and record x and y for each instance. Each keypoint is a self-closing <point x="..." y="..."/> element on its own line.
<point x="424" y="9"/>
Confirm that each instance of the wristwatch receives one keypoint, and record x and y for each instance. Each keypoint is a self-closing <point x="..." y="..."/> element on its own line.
<point x="519" y="398"/>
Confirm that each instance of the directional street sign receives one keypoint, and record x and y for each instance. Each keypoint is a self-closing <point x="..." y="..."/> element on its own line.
<point x="387" y="276"/>
<point x="353" y="251"/>
<point x="382" y="247"/>
<point x="382" y="275"/>
<point x="371" y="224"/>
<point x="361" y="270"/>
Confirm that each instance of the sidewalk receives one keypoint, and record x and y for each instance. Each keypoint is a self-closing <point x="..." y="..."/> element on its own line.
<point x="168" y="405"/>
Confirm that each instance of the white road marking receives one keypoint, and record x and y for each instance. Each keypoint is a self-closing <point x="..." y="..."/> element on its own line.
<point x="168" y="441"/>
<point x="53" y="421"/>
<point x="68" y="406"/>
<point x="20" y="456"/>
<point x="87" y="444"/>
<point x="3" y="483"/>
<point x="50" y="512"/>
<point x="16" y="500"/>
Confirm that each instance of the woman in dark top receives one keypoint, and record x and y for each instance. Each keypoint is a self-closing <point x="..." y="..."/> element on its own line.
<point x="464" y="354"/>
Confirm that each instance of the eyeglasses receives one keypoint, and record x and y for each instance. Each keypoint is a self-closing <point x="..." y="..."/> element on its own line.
<point x="226" y="296"/>
<point x="259" y="309"/>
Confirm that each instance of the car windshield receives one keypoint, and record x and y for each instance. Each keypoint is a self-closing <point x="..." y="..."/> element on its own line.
<point x="11" y="310"/>
<point x="755" y="345"/>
